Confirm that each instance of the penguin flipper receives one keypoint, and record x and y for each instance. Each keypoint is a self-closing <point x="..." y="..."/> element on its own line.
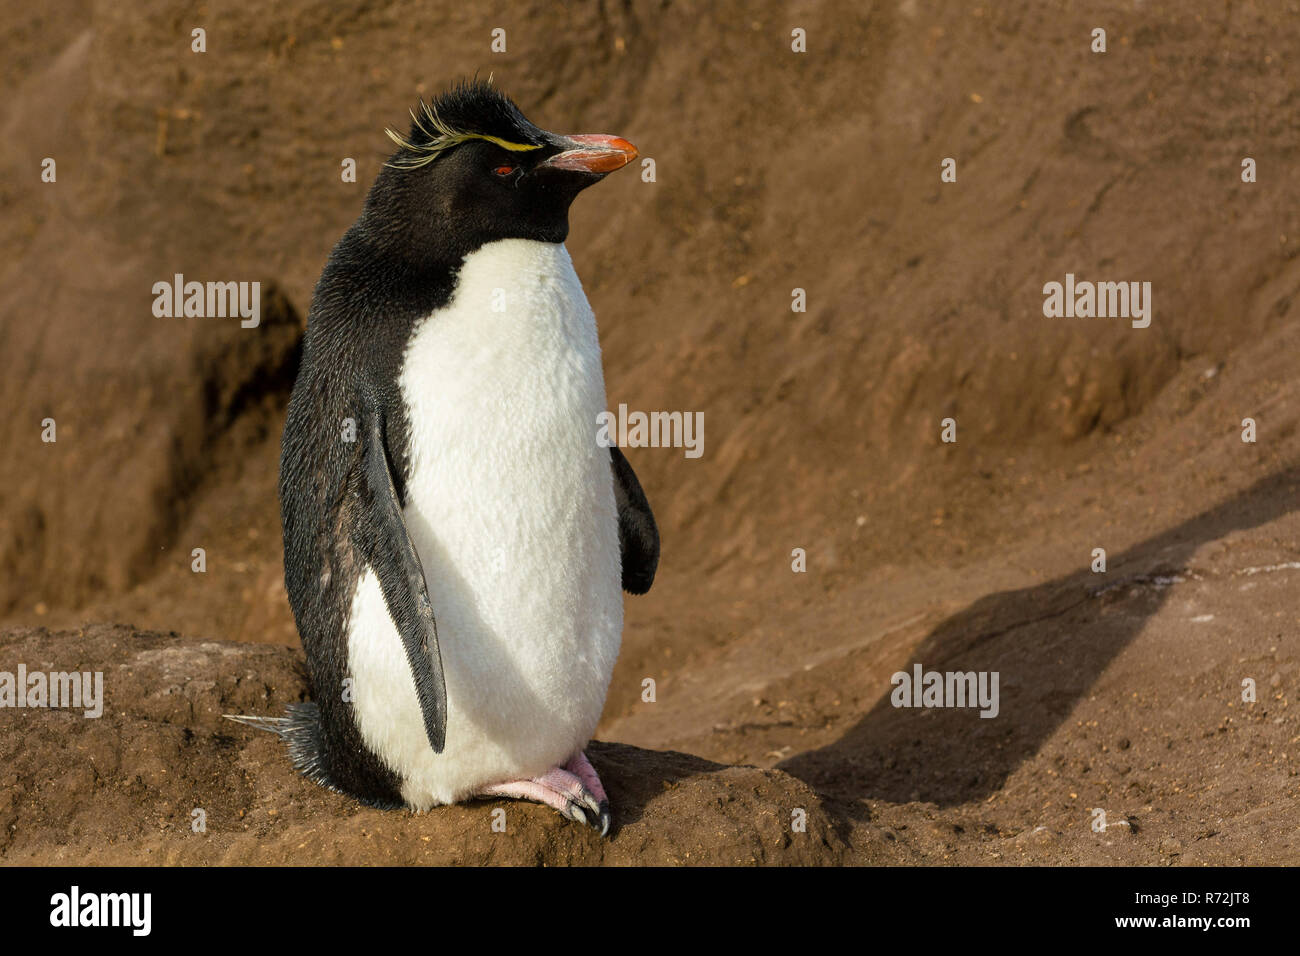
<point x="383" y="541"/>
<point x="638" y="535"/>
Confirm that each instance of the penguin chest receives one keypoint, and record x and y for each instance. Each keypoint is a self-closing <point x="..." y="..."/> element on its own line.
<point x="510" y="504"/>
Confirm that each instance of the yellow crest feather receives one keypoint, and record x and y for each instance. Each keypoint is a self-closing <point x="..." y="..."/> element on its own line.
<point x="441" y="138"/>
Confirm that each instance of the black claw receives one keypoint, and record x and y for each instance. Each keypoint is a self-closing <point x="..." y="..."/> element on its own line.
<point x="579" y="814"/>
<point x="594" y="815"/>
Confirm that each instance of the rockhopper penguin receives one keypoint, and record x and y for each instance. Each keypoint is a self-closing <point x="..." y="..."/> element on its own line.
<point x="455" y="537"/>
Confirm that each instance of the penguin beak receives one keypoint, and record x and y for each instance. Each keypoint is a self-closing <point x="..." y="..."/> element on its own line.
<point x="591" y="153"/>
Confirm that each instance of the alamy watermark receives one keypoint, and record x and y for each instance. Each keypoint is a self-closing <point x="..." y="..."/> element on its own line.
<point x="75" y="908"/>
<point x="1102" y="300"/>
<point x="946" y="689"/>
<point x="652" y="430"/>
<point x="79" y="690"/>
<point x="211" y="300"/>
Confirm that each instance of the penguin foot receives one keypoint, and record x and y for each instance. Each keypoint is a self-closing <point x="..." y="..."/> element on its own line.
<point x="581" y="768"/>
<point x="574" y="790"/>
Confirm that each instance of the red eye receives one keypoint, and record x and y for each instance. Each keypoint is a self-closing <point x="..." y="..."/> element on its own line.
<point x="505" y="170"/>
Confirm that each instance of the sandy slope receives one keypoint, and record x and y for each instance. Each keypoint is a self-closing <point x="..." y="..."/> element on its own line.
<point x="774" y="171"/>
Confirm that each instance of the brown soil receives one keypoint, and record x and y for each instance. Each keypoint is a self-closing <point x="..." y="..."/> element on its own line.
<point x="1120" y="691"/>
<point x="125" y="788"/>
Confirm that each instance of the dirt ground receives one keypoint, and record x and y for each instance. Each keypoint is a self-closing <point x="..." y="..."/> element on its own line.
<point x="1120" y="691"/>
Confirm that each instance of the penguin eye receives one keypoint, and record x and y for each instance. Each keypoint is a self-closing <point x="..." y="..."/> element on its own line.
<point x="504" y="169"/>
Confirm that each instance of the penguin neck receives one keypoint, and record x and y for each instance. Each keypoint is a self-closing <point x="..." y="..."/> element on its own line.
<point x="431" y="234"/>
<point x="422" y="243"/>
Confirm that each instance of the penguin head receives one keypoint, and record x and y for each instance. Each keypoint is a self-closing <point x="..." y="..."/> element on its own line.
<point x="473" y="170"/>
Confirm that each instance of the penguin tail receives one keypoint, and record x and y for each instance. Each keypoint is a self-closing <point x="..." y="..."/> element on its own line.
<point x="277" y="725"/>
<point x="300" y="730"/>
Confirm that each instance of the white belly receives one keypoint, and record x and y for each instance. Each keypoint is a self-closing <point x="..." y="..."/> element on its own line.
<point x="510" y="504"/>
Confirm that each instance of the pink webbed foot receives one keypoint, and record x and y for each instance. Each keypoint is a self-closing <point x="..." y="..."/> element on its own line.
<point x="574" y="790"/>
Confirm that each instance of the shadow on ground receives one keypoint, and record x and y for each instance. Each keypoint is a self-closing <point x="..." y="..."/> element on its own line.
<point x="1049" y="644"/>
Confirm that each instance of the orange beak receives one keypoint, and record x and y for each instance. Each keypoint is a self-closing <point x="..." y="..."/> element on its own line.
<point x="593" y="153"/>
